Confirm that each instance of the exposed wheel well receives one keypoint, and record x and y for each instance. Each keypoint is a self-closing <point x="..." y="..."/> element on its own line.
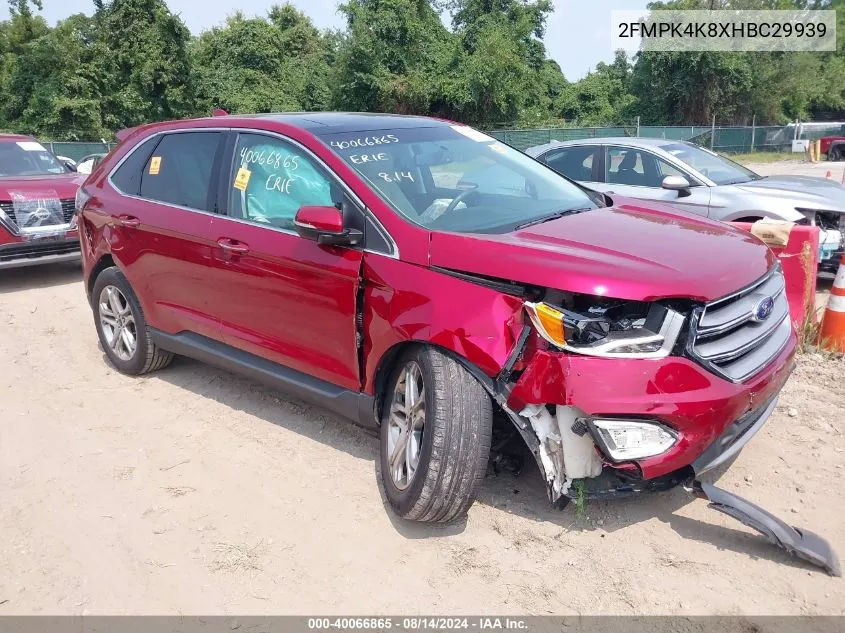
<point x="388" y="363"/>
<point x="751" y="219"/>
<point x="105" y="261"/>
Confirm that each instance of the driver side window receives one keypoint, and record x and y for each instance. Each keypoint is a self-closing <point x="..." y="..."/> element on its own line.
<point x="272" y="179"/>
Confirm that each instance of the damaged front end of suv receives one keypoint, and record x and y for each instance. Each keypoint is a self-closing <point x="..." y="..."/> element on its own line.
<point x="641" y="396"/>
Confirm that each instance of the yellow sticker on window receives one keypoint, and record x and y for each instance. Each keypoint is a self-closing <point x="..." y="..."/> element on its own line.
<point x="242" y="179"/>
<point x="155" y="165"/>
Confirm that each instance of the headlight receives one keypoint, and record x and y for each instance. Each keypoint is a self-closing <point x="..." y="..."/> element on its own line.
<point x="652" y="335"/>
<point x="624" y="440"/>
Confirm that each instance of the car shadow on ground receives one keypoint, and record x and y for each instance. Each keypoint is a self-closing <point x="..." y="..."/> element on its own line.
<point x="40" y="276"/>
<point x="523" y="495"/>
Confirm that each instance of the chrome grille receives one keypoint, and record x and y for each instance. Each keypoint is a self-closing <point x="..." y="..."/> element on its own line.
<point x="68" y="206"/>
<point x="732" y="341"/>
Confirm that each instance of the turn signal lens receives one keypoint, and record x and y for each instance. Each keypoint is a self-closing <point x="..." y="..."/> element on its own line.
<point x="549" y="321"/>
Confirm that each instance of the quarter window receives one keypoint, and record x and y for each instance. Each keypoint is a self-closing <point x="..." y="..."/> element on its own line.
<point x="127" y="177"/>
<point x="179" y="169"/>
<point x="272" y="179"/>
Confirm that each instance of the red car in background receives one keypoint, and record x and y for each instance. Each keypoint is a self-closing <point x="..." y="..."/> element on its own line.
<point x="833" y="147"/>
<point x="37" y="193"/>
<point x="420" y="278"/>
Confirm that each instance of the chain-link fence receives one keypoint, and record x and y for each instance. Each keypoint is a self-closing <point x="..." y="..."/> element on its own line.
<point x="729" y="139"/>
<point x="76" y="151"/>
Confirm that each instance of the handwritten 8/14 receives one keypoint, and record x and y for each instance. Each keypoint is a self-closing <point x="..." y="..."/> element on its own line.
<point x="396" y="176"/>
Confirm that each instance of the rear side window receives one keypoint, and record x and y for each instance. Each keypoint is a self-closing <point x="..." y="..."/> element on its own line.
<point x="127" y="177"/>
<point x="179" y="169"/>
<point x="574" y="162"/>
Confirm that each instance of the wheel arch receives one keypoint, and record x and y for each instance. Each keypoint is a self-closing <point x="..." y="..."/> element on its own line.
<point x="105" y="261"/>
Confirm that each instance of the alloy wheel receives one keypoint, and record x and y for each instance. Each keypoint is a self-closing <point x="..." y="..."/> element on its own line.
<point x="405" y="426"/>
<point x="118" y="323"/>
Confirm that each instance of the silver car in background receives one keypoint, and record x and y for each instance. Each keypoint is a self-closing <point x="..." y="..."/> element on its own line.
<point x="697" y="180"/>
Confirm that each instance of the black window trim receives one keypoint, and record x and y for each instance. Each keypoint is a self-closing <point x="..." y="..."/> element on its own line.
<point x="228" y="145"/>
<point x="223" y="195"/>
<point x="162" y="133"/>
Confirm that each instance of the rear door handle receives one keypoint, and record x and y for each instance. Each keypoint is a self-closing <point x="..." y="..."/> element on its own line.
<point x="128" y="220"/>
<point x="233" y="246"/>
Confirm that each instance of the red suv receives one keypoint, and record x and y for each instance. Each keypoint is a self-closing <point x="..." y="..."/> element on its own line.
<point x="37" y="191"/>
<point x="419" y="277"/>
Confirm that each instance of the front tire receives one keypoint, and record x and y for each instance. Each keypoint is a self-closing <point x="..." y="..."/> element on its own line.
<point x="435" y="437"/>
<point x="121" y="327"/>
<point x="835" y="154"/>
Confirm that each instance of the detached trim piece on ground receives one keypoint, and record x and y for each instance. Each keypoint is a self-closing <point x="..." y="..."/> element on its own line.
<point x="802" y="543"/>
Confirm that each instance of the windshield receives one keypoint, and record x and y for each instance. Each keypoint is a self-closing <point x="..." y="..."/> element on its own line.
<point x="454" y="178"/>
<point x="717" y="168"/>
<point x="27" y="158"/>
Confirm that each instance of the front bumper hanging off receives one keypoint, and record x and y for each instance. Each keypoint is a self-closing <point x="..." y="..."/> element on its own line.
<point x="797" y="541"/>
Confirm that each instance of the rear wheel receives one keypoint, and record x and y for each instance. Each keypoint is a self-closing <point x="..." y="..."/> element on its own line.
<point x="121" y="326"/>
<point x="435" y="437"/>
<point x="835" y="154"/>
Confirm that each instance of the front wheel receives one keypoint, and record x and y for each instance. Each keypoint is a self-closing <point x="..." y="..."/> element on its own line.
<point x="435" y="437"/>
<point x="835" y="154"/>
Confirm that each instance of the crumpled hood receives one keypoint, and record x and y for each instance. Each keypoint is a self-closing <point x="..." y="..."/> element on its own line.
<point x="627" y="251"/>
<point x="818" y="193"/>
<point x="62" y="186"/>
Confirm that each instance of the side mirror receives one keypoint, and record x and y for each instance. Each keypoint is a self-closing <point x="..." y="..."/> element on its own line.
<point x="324" y="225"/>
<point x="69" y="164"/>
<point x="675" y="183"/>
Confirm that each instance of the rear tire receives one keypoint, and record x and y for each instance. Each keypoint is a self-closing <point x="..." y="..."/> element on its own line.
<point x="434" y="458"/>
<point x="121" y="327"/>
<point x="835" y="154"/>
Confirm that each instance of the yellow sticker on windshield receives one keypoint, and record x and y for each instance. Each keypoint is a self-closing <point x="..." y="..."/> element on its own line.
<point x="155" y="165"/>
<point x="242" y="179"/>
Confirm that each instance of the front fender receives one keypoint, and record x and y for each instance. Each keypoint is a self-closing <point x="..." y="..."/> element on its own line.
<point x="403" y="302"/>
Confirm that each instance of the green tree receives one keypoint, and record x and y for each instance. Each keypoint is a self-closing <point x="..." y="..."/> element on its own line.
<point x="17" y="37"/>
<point x="57" y="79"/>
<point x="603" y="97"/>
<point x="394" y="57"/>
<point x="272" y="64"/>
<point x="145" y="62"/>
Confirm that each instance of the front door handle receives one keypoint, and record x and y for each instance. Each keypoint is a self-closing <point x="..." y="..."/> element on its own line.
<point x="128" y="220"/>
<point x="233" y="246"/>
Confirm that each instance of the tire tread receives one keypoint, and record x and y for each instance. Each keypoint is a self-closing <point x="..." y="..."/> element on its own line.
<point x="461" y="415"/>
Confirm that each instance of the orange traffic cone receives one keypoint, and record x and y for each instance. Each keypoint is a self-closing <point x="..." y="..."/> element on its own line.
<point x="828" y="174"/>
<point x="832" y="333"/>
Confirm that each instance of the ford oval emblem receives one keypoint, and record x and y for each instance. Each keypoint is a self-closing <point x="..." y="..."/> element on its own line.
<point x="763" y="309"/>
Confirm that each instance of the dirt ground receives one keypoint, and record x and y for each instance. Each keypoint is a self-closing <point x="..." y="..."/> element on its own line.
<point x="194" y="491"/>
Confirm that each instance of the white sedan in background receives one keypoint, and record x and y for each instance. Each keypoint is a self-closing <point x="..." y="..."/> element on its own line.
<point x="697" y="180"/>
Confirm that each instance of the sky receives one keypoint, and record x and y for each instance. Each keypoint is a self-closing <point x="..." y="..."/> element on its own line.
<point x="578" y="34"/>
